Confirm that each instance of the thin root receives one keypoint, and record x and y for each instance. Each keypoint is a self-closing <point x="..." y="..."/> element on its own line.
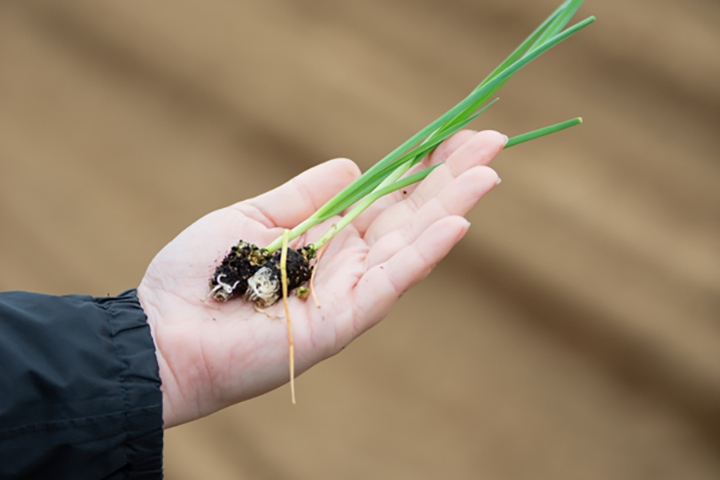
<point x="312" y="275"/>
<point x="266" y="313"/>
<point x="211" y="293"/>
<point x="284" y="282"/>
<point x="222" y="291"/>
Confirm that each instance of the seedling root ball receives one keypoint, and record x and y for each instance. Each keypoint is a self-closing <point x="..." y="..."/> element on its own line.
<point x="254" y="273"/>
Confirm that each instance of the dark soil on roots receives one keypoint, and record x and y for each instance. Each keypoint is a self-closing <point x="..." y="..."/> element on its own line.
<point x="237" y="267"/>
<point x="244" y="260"/>
<point x="298" y="267"/>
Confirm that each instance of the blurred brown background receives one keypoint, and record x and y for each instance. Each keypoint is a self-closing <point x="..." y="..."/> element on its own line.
<point x="574" y="333"/>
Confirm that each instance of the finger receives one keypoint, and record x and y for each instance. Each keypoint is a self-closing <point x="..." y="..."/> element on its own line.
<point x="439" y="155"/>
<point x="478" y="151"/>
<point x="382" y="285"/>
<point x="457" y="198"/>
<point x="448" y="147"/>
<point x="294" y="201"/>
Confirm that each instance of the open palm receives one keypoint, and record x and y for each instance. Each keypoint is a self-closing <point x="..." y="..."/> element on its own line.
<point x="214" y="355"/>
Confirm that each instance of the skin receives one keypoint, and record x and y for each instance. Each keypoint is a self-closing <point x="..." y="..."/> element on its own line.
<point x="214" y="355"/>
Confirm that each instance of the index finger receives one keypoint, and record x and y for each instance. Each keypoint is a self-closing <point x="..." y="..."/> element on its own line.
<point x="291" y="203"/>
<point x="439" y="155"/>
<point x="477" y="151"/>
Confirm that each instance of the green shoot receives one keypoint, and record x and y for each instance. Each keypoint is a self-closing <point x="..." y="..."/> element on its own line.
<point x="384" y="176"/>
<point x="421" y="175"/>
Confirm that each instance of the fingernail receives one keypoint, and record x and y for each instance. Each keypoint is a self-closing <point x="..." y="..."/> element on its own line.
<point x="468" y="225"/>
<point x="498" y="181"/>
<point x="507" y="139"/>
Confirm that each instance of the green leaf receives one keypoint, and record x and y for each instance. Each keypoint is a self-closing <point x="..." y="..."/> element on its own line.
<point x="526" y="137"/>
<point x="559" y="22"/>
<point x="396" y="163"/>
<point x="526" y="44"/>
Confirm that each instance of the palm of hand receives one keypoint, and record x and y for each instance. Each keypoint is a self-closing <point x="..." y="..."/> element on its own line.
<point x="214" y="355"/>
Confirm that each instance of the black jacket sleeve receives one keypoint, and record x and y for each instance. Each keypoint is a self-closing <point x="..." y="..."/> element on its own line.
<point x="79" y="389"/>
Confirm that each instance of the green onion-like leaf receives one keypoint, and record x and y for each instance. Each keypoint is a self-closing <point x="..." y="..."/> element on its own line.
<point x="385" y="175"/>
<point x="421" y="175"/>
<point x="476" y="98"/>
<point x="525" y="137"/>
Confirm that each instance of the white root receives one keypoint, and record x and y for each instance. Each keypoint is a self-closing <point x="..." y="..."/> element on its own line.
<point x="262" y="289"/>
<point x="222" y="291"/>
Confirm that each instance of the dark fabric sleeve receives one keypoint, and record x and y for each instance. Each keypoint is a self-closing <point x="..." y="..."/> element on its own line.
<point x="79" y="389"/>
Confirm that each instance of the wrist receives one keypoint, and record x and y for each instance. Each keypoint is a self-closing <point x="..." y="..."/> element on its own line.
<point x="167" y="379"/>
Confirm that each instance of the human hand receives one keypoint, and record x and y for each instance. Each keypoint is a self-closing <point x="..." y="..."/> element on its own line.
<point x="214" y="355"/>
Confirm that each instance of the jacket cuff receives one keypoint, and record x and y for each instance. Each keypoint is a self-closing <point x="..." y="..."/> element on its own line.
<point x="80" y="386"/>
<point x="140" y="380"/>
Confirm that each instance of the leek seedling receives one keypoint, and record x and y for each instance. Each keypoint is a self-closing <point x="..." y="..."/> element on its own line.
<point x="256" y="273"/>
